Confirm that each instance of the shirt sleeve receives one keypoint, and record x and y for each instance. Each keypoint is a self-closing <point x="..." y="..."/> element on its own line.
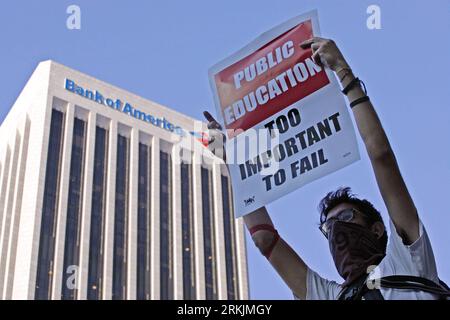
<point x="416" y="259"/>
<point x="318" y="288"/>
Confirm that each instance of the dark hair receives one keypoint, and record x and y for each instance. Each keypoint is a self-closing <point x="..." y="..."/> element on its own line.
<point x="345" y="195"/>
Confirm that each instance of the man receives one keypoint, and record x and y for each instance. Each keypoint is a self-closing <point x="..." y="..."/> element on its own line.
<point x="354" y="228"/>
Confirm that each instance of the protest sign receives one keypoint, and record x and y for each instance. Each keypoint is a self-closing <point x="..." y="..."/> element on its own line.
<point x="286" y="122"/>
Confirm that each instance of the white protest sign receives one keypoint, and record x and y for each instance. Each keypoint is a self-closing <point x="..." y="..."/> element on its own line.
<point x="286" y="120"/>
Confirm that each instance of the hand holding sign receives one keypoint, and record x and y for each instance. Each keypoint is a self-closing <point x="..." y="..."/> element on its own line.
<point x="283" y="114"/>
<point x="216" y="142"/>
<point x="326" y="53"/>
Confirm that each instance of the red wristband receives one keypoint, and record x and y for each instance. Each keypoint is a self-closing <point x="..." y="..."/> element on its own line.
<point x="267" y="253"/>
<point x="259" y="227"/>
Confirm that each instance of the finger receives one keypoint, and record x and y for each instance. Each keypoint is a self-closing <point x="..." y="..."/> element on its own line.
<point x="215" y="135"/>
<point x="307" y="43"/>
<point x="216" y="145"/>
<point x="315" y="46"/>
<point x="208" y="116"/>
<point x="316" y="58"/>
<point x="214" y="125"/>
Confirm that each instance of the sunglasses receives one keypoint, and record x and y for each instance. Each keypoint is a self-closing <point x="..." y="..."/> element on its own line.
<point x="345" y="215"/>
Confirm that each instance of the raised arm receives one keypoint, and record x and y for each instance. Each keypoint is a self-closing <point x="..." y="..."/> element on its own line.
<point x="281" y="256"/>
<point x="392" y="187"/>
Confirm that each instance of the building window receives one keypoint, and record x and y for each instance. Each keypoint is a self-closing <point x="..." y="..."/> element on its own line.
<point x="143" y="236"/>
<point x="49" y="208"/>
<point x="230" y="245"/>
<point x="95" y="273"/>
<point x="120" y="221"/>
<point x="208" y="235"/>
<point x="72" y="237"/>
<point x="166" y="273"/>
<point x="187" y="232"/>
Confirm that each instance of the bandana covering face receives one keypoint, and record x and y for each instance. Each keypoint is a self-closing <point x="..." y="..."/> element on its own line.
<point x="354" y="248"/>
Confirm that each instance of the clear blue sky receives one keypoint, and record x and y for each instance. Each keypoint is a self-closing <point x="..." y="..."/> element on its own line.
<point x="162" y="50"/>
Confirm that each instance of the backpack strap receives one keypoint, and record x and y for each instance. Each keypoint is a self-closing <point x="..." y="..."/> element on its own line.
<point x="359" y="289"/>
<point x="443" y="284"/>
<point x="415" y="283"/>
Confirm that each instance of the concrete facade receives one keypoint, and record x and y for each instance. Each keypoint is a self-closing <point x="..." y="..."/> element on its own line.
<point x="24" y="184"/>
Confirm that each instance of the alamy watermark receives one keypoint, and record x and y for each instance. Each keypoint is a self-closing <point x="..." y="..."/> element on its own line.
<point x="73" y="21"/>
<point x="374" y="19"/>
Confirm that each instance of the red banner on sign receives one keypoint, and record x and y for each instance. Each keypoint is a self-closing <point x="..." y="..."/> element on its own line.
<point x="268" y="80"/>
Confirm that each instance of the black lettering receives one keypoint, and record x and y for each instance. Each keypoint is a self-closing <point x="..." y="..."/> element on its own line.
<point x="313" y="136"/>
<point x="279" y="177"/>
<point x="242" y="170"/>
<point x="269" y="126"/>
<point x="282" y="124"/>
<point x="335" y="120"/>
<point x="324" y="129"/>
<point x="322" y="159"/>
<point x="291" y="146"/>
<point x="279" y="153"/>
<point x="301" y="138"/>
<point x="294" y="168"/>
<point x="305" y="165"/>
<point x="315" y="164"/>
<point x="294" y="117"/>
<point x="265" y="158"/>
<point x="253" y="168"/>
<point x="266" y="179"/>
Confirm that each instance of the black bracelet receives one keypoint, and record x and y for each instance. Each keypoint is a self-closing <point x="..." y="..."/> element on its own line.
<point x="353" y="83"/>
<point x="359" y="100"/>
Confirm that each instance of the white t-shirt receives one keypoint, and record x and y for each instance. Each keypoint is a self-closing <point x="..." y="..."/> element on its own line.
<point x="416" y="259"/>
